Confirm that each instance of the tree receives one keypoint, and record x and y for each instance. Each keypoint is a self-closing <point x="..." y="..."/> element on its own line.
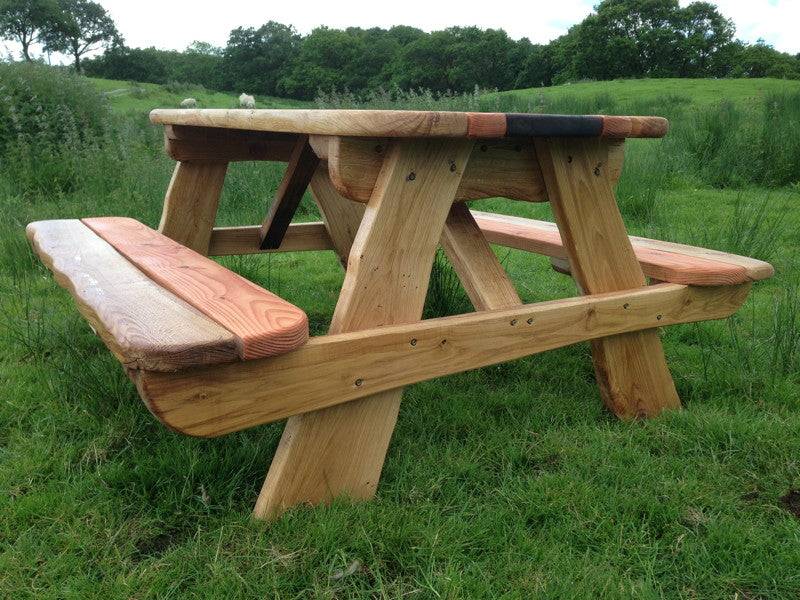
<point x="255" y="59"/>
<point x="28" y="21"/>
<point x="706" y="37"/>
<point x="84" y="27"/>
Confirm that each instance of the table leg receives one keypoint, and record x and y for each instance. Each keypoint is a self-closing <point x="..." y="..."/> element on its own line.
<point x="190" y="206"/>
<point x="631" y="369"/>
<point x="341" y="450"/>
<point x="483" y="277"/>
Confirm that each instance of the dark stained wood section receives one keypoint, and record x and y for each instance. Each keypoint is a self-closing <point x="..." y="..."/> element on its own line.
<point x="527" y="125"/>
<point x="266" y="324"/>
<point x="299" y="172"/>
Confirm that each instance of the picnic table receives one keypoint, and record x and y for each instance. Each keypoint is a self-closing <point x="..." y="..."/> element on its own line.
<point x="212" y="353"/>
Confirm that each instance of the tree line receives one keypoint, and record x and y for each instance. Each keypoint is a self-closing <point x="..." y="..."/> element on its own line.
<point x="620" y="39"/>
<point x="73" y="27"/>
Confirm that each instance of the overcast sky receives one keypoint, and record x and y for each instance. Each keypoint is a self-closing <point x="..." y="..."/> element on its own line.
<point x="174" y="24"/>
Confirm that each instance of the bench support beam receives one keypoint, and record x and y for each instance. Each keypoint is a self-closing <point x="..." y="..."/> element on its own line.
<point x="213" y="401"/>
<point x="631" y="368"/>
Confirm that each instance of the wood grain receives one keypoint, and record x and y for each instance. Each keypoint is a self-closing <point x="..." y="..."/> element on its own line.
<point x="186" y="143"/>
<point x="634" y="127"/>
<point x="481" y="274"/>
<point x="631" y="369"/>
<point x="190" y="206"/>
<point x="342" y="217"/>
<point x="413" y="123"/>
<point x="145" y="326"/>
<point x="296" y="178"/>
<point x="665" y="261"/>
<point x="247" y="239"/>
<point x="265" y="324"/>
<point x="227" y="398"/>
<point x="341" y="450"/>
<point x="505" y="168"/>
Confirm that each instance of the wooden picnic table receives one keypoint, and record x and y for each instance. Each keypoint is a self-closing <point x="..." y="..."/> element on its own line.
<point x="218" y="354"/>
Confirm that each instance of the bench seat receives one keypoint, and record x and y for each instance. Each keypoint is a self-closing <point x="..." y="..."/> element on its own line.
<point x="661" y="261"/>
<point x="161" y="306"/>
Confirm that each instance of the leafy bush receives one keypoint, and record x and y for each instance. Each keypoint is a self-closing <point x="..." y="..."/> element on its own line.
<point x="48" y="117"/>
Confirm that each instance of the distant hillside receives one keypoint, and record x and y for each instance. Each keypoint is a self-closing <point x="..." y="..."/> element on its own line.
<point x="131" y="96"/>
<point x="650" y="91"/>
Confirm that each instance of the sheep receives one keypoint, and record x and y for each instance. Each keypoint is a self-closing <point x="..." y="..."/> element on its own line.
<point x="188" y="103"/>
<point x="247" y="101"/>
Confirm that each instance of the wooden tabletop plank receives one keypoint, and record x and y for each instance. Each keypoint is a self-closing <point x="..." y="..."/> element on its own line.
<point x="143" y="324"/>
<point x="413" y="123"/>
<point x="266" y="324"/>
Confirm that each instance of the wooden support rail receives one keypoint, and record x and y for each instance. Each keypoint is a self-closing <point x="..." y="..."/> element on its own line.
<point x="216" y="400"/>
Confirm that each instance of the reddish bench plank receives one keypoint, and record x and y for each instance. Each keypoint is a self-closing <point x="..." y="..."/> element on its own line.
<point x="665" y="261"/>
<point x="144" y="325"/>
<point x="266" y="324"/>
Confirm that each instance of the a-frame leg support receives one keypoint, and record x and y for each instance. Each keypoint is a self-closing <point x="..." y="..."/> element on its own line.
<point x="631" y="369"/>
<point x="341" y="450"/>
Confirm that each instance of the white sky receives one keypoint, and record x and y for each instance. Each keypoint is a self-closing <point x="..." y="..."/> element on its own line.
<point x="174" y="24"/>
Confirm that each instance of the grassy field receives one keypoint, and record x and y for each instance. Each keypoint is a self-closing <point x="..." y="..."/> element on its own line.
<point x="130" y="96"/>
<point x="505" y="482"/>
<point x="700" y="92"/>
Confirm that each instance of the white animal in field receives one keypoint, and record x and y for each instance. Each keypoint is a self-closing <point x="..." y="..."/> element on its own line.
<point x="188" y="103"/>
<point x="247" y="101"/>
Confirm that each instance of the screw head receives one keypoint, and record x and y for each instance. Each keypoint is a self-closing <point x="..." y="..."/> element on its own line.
<point x="658" y="317"/>
<point x="626" y="306"/>
<point x="411" y="176"/>
<point x="513" y="322"/>
<point x="359" y="382"/>
<point x="452" y="167"/>
<point x="529" y="321"/>
<point x="414" y="342"/>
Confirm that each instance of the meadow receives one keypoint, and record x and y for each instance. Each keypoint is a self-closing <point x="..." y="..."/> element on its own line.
<point x="505" y="482"/>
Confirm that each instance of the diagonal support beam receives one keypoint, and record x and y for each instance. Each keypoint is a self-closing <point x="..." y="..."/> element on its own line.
<point x="483" y="277"/>
<point x="302" y="165"/>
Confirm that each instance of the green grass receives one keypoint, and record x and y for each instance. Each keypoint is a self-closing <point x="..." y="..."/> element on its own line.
<point x="127" y="96"/>
<point x="699" y="92"/>
<point x="510" y="481"/>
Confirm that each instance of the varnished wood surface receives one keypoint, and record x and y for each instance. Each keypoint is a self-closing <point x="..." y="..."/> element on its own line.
<point x="665" y="261"/>
<point x="631" y="369"/>
<point x="144" y="325"/>
<point x="265" y="324"/>
<point x="414" y="123"/>
<point x="227" y="398"/>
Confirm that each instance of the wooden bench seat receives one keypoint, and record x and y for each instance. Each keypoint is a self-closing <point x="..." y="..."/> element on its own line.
<point x="662" y="261"/>
<point x="159" y="305"/>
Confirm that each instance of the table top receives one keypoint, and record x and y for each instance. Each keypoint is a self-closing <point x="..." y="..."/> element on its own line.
<point x="414" y="123"/>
